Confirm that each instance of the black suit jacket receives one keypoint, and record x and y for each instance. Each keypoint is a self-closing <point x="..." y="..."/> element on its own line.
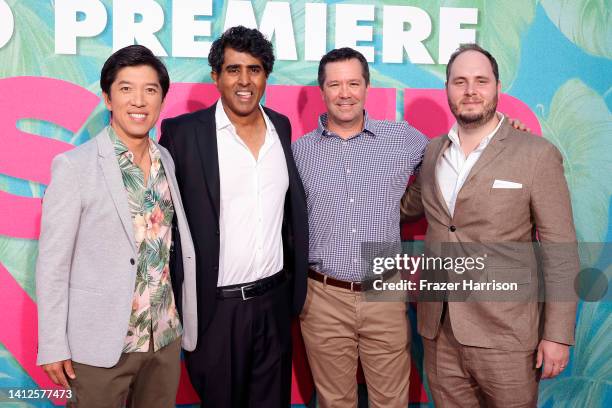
<point x="192" y="141"/>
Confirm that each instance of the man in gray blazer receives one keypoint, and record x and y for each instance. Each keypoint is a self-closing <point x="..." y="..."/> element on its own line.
<point x="107" y="315"/>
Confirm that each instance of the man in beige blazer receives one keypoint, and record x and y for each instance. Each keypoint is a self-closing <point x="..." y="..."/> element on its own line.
<point x="486" y="182"/>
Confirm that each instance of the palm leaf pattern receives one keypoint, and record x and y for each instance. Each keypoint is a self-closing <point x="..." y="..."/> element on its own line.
<point x="586" y="23"/>
<point x="153" y="310"/>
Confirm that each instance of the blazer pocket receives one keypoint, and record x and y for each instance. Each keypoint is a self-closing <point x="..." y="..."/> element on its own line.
<point x="86" y="289"/>
<point x="505" y="193"/>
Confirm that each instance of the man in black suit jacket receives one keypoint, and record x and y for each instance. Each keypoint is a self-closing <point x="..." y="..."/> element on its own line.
<point x="246" y="210"/>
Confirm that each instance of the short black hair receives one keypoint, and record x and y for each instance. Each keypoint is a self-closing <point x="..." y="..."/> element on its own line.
<point x="472" y="47"/>
<point x="242" y="39"/>
<point x="343" y="54"/>
<point x="133" y="56"/>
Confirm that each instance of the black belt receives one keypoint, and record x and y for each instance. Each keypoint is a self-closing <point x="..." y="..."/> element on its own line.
<point x="348" y="285"/>
<point x="250" y="290"/>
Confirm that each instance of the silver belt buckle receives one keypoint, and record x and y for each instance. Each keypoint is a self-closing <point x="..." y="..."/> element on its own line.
<point x="244" y="297"/>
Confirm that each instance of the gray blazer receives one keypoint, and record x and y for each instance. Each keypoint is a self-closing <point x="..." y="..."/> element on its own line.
<point x="86" y="269"/>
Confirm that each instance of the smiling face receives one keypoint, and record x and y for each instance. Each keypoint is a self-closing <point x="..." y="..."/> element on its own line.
<point x="241" y="83"/>
<point x="135" y="101"/>
<point x="344" y="92"/>
<point x="472" y="90"/>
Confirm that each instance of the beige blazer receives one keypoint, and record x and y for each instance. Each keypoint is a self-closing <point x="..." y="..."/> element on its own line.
<point x="503" y="215"/>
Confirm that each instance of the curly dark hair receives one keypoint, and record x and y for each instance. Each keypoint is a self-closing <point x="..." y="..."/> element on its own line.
<point x="343" y="54"/>
<point x="242" y="39"/>
<point x="133" y="56"/>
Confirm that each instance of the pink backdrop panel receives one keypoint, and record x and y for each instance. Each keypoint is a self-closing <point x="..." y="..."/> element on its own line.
<point x="20" y="328"/>
<point x="186" y="97"/>
<point x="304" y="104"/>
<point x="28" y="156"/>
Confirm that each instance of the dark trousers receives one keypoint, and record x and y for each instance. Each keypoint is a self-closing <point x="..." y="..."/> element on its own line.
<point x="244" y="357"/>
<point x="142" y="380"/>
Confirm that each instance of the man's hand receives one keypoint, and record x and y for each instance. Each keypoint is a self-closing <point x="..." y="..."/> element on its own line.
<point x="57" y="372"/>
<point x="517" y="124"/>
<point x="554" y="356"/>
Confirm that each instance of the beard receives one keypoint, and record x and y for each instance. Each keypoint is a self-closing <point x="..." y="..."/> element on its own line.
<point x="474" y="120"/>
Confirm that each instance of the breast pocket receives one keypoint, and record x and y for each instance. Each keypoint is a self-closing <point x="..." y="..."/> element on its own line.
<point x="507" y="199"/>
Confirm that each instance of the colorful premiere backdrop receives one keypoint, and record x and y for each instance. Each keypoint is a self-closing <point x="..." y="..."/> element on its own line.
<point x="556" y="72"/>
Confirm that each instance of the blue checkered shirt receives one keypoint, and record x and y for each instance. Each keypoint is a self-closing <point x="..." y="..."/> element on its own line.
<point x="353" y="190"/>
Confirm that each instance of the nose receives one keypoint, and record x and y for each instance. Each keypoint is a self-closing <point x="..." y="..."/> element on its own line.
<point x="244" y="78"/>
<point x="470" y="88"/>
<point x="344" y="91"/>
<point x="138" y="98"/>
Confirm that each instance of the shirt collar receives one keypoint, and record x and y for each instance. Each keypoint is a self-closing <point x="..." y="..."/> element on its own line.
<point x="122" y="149"/>
<point x="368" y="126"/>
<point x="453" y="133"/>
<point x="118" y="144"/>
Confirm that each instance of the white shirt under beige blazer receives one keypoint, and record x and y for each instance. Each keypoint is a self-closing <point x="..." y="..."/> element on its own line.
<point x="86" y="269"/>
<point x="516" y="187"/>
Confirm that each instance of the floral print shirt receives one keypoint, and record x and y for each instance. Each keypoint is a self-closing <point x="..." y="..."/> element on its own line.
<point x="154" y="313"/>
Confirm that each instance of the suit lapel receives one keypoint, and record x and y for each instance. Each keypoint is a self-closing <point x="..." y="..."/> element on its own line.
<point x="437" y="192"/>
<point x="171" y="178"/>
<point x="206" y="139"/>
<point x="493" y="149"/>
<point x="114" y="183"/>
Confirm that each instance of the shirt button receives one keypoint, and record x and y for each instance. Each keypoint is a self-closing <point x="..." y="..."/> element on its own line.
<point x="132" y="261"/>
<point x="355" y="260"/>
<point x="348" y="171"/>
<point x="352" y="200"/>
<point x="452" y="228"/>
<point x="353" y="230"/>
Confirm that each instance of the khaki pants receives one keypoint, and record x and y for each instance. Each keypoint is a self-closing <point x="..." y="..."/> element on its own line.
<point x="338" y="327"/>
<point x="466" y="376"/>
<point x="147" y="380"/>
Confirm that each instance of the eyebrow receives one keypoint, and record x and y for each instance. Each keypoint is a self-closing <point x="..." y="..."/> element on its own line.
<point x="477" y="77"/>
<point x="333" y="81"/>
<point x="124" y="82"/>
<point x="234" y="66"/>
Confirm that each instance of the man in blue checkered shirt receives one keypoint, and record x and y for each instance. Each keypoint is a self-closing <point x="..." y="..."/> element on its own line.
<point x="355" y="170"/>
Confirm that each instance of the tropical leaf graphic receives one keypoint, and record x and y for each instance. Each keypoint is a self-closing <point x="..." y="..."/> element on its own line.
<point x="19" y="258"/>
<point x="586" y="23"/>
<point x="588" y="378"/>
<point x="31" y="50"/>
<point x="580" y="124"/>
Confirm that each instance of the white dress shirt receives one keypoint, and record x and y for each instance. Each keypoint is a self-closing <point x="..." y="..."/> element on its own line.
<point x="453" y="167"/>
<point x="252" y="204"/>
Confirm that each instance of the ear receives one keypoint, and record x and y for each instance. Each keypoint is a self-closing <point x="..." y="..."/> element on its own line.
<point x="107" y="101"/>
<point x="215" y="77"/>
<point x="499" y="89"/>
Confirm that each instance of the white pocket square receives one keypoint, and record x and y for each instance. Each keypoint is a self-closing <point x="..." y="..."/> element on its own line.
<point x="506" y="184"/>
